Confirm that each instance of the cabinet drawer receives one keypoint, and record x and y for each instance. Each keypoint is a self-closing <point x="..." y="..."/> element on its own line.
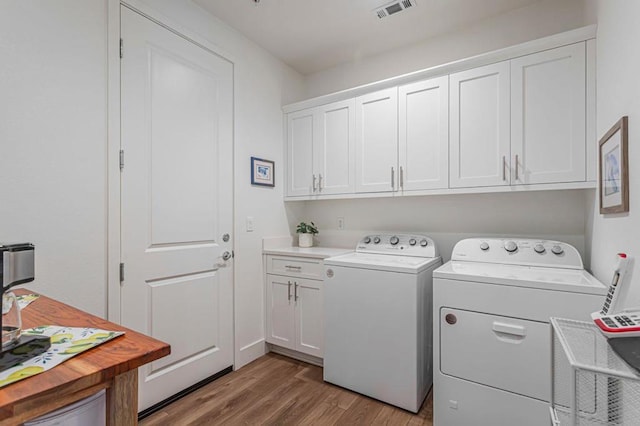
<point x="295" y="267"/>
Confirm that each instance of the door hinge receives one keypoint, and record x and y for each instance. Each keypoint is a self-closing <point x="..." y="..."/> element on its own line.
<point x="121" y="48"/>
<point x="121" y="159"/>
<point x="121" y="272"/>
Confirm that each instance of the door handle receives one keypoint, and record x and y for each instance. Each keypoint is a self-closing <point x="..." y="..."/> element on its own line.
<point x="516" y="332"/>
<point x="314" y="183"/>
<point x="289" y="290"/>
<point x="517" y="178"/>
<point x="504" y="168"/>
<point x="393" y="180"/>
<point x="295" y="291"/>
<point x="225" y="257"/>
<point x="319" y="182"/>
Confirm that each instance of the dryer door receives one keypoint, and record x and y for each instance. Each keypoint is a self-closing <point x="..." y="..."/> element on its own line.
<point x="502" y="352"/>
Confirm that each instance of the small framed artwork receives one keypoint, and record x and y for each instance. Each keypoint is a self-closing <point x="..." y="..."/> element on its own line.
<point x="613" y="166"/>
<point x="262" y="172"/>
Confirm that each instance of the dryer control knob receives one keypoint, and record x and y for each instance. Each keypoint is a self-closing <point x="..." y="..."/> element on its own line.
<point x="484" y="246"/>
<point x="539" y="248"/>
<point x="376" y="240"/>
<point x="367" y="240"/>
<point x="510" y="246"/>
<point x="394" y="240"/>
<point x="412" y="242"/>
<point x="557" y="250"/>
<point x="424" y="242"/>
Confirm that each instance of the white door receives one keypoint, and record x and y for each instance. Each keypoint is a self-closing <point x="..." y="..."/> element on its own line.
<point x="309" y="317"/>
<point x="479" y="126"/>
<point x="300" y="131"/>
<point x="177" y="203"/>
<point x="334" y="148"/>
<point x="280" y="311"/>
<point x="548" y="116"/>
<point x="377" y="141"/>
<point x="423" y="134"/>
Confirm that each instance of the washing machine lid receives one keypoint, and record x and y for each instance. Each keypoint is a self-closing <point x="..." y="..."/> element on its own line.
<point x="558" y="279"/>
<point x="384" y="262"/>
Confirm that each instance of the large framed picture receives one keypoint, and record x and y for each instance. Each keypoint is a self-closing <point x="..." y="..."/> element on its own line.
<point x="613" y="166"/>
<point x="262" y="172"/>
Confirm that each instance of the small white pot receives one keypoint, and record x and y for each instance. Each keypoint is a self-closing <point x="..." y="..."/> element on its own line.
<point x="305" y="240"/>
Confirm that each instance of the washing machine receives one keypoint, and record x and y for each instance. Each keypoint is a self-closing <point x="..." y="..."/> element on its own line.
<point x="378" y="318"/>
<point x="492" y="338"/>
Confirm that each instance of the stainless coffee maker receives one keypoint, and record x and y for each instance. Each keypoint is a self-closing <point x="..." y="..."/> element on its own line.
<point x="17" y="267"/>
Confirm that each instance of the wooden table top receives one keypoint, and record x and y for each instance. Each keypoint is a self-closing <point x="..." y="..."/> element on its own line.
<point x="88" y="369"/>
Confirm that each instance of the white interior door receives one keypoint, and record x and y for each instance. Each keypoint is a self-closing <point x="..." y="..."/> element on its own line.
<point x="177" y="203"/>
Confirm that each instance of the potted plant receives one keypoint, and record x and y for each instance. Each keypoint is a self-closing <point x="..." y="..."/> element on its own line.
<point x="305" y="232"/>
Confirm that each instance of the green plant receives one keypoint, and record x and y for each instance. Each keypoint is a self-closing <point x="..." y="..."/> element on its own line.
<point x="307" y="228"/>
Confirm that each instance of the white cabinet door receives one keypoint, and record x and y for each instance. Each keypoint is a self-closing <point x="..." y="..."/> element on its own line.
<point x="300" y="131"/>
<point x="479" y="126"/>
<point x="334" y="148"/>
<point x="309" y="317"/>
<point x="548" y="116"/>
<point x="423" y="134"/>
<point x="377" y="141"/>
<point x="280" y="311"/>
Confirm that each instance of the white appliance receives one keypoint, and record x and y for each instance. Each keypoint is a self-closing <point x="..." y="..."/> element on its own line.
<point x="492" y="339"/>
<point x="89" y="411"/>
<point x="378" y="318"/>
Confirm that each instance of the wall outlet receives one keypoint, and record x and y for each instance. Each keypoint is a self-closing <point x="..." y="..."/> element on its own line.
<point x="249" y="224"/>
<point x="340" y="223"/>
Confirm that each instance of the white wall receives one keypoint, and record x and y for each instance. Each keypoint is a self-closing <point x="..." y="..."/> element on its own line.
<point x="53" y="162"/>
<point x="450" y="218"/>
<point x="53" y="143"/>
<point x="537" y="20"/>
<point x="262" y="85"/>
<point x="618" y="95"/>
<point x="554" y="215"/>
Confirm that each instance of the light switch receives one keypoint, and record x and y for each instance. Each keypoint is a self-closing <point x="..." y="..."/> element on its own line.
<point x="249" y="224"/>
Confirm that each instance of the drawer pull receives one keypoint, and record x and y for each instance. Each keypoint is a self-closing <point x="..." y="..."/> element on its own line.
<point x="297" y="268"/>
<point x="295" y="292"/>
<point x="514" y="330"/>
<point x="288" y="290"/>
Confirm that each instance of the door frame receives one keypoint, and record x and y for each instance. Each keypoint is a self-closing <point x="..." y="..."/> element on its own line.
<point x="113" y="209"/>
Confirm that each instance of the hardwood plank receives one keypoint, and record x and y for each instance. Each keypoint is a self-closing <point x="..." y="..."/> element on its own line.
<point x="276" y="390"/>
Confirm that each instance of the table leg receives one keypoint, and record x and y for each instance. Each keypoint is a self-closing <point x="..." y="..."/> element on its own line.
<point x="122" y="400"/>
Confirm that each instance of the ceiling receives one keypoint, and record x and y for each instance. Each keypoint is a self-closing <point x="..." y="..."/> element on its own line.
<point x="313" y="35"/>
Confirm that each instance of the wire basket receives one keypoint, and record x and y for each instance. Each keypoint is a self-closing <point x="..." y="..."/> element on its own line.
<point x="591" y="385"/>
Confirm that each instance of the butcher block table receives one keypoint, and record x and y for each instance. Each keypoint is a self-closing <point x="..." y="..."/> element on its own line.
<point x="112" y="365"/>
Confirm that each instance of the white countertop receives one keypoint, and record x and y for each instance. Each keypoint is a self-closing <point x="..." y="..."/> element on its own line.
<point x="315" y="252"/>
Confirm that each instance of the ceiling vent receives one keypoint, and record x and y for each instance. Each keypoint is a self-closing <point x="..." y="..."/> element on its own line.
<point x="393" y="8"/>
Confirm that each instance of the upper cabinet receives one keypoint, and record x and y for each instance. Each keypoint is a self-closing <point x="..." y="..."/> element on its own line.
<point x="516" y="119"/>
<point x="321" y="150"/>
<point x="377" y="141"/>
<point x="548" y="116"/>
<point x="423" y="135"/>
<point x="479" y="122"/>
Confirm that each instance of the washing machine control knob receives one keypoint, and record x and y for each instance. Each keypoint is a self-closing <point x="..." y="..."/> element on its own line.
<point x="510" y="246"/>
<point x="412" y="242"/>
<point x="557" y="250"/>
<point x="484" y="246"/>
<point x="376" y="240"/>
<point x="539" y="248"/>
<point x="424" y="242"/>
<point x="367" y="240"/>
<point x="394" y="240"/>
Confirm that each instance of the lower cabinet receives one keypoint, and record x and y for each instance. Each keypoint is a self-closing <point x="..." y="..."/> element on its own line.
<point x="294" y="314"/>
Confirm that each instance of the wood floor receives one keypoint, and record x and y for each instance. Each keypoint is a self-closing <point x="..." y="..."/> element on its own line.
<point x="276" y="390"/>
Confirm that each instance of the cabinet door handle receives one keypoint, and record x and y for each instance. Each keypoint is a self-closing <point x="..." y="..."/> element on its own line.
<point x="504" y="168"/>
<point x="295" y="291"/>
<point x="517" y="178"/>
<point x="314" y="183"/>
<point x="319" y="182"/>
<point x="393" y="178"/>
<point x="401" y="177"/>
<point x="288" y="290"/>
<point x="297" y="268"/>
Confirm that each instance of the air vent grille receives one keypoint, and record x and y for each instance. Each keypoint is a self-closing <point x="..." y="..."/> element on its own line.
<point x="393" y="8"/>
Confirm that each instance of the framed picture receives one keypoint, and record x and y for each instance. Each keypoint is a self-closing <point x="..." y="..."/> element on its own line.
<point x="613" y="166"/>
<point x="262" y="172"/>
